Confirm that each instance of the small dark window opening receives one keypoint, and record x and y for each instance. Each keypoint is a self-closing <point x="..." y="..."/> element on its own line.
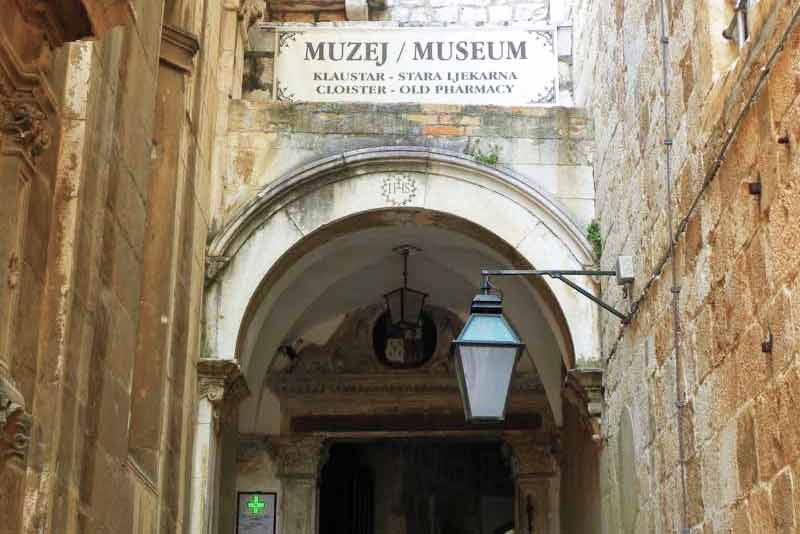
<point x="404" y="348"/>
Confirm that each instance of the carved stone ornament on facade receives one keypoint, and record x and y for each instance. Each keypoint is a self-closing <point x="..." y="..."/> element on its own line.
<point x="527" y="457"/>
<point x="27" y="126"/>
<point x="299" y="456"/>
<point x="214" y="266"/>
<point x="222" y="383"/>
<point x="15" y="423"/>
<point x="252" y="11"/>
<point x="178" y="48"/>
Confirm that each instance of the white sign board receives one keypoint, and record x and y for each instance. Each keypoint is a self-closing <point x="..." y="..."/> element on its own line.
<point x="481" y="66"/>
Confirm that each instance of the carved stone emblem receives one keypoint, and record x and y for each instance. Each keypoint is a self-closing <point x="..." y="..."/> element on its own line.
<point x="27" y="126"/>
<point x="15" y="424"/>
<point x="399" y="189"/>
<point x="251" y="11"/>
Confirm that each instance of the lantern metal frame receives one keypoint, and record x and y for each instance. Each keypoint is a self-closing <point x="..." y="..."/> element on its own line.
<point x="400" y="324"/>
<point x="483" y="305"/>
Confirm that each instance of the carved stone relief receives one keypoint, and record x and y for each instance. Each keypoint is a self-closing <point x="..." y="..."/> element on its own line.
<point x="15" y="423"/>
<point x="299" y="455"/>
<point x="214" y="266"/>
<point x="350" y="348"/>
<point x="252" y="11"/>
<point x="71" y="20"/>
<point x="27" y="126"/>
<point x="527" y="456"/>
<point x="347" y="363"/>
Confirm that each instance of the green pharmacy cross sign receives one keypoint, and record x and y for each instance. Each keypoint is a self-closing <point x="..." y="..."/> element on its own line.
<point x="256" y="505"/>
<point x="256" y="513"/>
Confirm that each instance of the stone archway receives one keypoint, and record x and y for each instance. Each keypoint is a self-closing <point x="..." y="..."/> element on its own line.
<point x="360" y="181"/>
<point x="278" y="238"/>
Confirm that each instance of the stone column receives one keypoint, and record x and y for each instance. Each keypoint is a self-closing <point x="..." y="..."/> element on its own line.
<point x="300" y="460"/>
<point x="221" y="388"/>
<point x="536" y="485"/>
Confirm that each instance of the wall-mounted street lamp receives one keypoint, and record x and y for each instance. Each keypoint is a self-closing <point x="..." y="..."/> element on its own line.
<point x="487" y="349"/>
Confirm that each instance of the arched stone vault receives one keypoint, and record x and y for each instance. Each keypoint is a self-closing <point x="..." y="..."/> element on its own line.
<point x="262" y="248"/>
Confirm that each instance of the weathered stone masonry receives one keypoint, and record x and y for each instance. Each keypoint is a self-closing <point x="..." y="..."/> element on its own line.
<point x="733" y="124"/>
<point x="551" y="147"/>
<point x="105" y="155"/>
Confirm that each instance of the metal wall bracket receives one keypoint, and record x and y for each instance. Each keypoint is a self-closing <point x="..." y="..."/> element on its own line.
<point x="623" y="274"/>
<point x="737" y="29"/>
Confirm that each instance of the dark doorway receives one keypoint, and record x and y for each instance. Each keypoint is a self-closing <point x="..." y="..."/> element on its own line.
<point x="415" y="487"/>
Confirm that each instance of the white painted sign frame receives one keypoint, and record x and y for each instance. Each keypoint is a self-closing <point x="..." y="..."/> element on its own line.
<point x="289" y="64"/>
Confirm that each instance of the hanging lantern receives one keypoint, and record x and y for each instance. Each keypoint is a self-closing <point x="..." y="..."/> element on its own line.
<point x="404" y="304"/>
<point x="486" y="353"/>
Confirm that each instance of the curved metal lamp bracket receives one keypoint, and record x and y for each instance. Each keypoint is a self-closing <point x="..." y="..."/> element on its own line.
<point x="623" y="273"/>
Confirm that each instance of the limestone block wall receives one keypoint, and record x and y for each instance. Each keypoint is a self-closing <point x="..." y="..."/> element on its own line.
<point x="733" y="118"/>
<point x="465" y="12"/>
<point x="470" y="12"/>
<point x="550" y="147"/>
<point x="108" y="315"/>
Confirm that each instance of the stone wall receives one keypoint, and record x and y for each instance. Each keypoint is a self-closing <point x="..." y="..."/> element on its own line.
<point x="465" y="12"/>
<point x="732" y="118"/>
<point x="426" y="12"/>
<point x="550" y="147"/>
<point x="101" y="324"/>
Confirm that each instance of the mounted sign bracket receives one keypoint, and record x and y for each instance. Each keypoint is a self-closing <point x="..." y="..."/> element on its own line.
<point x="623" y="273"/>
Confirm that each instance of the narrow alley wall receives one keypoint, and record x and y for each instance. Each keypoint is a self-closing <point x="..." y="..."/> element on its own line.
<point x="733" y="122"/>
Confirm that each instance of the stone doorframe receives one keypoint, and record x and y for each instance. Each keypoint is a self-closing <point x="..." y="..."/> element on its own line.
<point x="534" y="468"/>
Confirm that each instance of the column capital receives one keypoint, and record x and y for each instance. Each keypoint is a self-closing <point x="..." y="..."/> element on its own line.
<point x="299" y="456"/>
<point x="178" y="48"/>
<point x="528" y="457"/>
<point x="15" y="422"/>
<point x="221" y="382"/>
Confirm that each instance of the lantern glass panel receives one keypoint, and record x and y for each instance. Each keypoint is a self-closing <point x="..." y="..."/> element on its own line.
<point x="485" y="378"/>
<point x="488" y="328"/>
<point x="405" y="307"/>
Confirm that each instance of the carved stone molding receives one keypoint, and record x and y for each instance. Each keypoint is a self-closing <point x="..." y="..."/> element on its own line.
<point x="583" y="388"/>
<point x="15" y="423"/>
<point x="251" y="11"/>
<point x="222" y="383"/>
<point x="71" y="20"/>
<point x="325" y="5"/>
<point x="322" y="384"/>
<point x="529" y="457"/>
<point x="214" y="266"/>
<point x="299" y="456"/>
<point x="26" y="125"/>
<point x="178" y="48"/>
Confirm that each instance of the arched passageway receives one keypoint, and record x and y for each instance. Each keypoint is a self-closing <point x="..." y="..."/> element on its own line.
<point x="294" y="309"/>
